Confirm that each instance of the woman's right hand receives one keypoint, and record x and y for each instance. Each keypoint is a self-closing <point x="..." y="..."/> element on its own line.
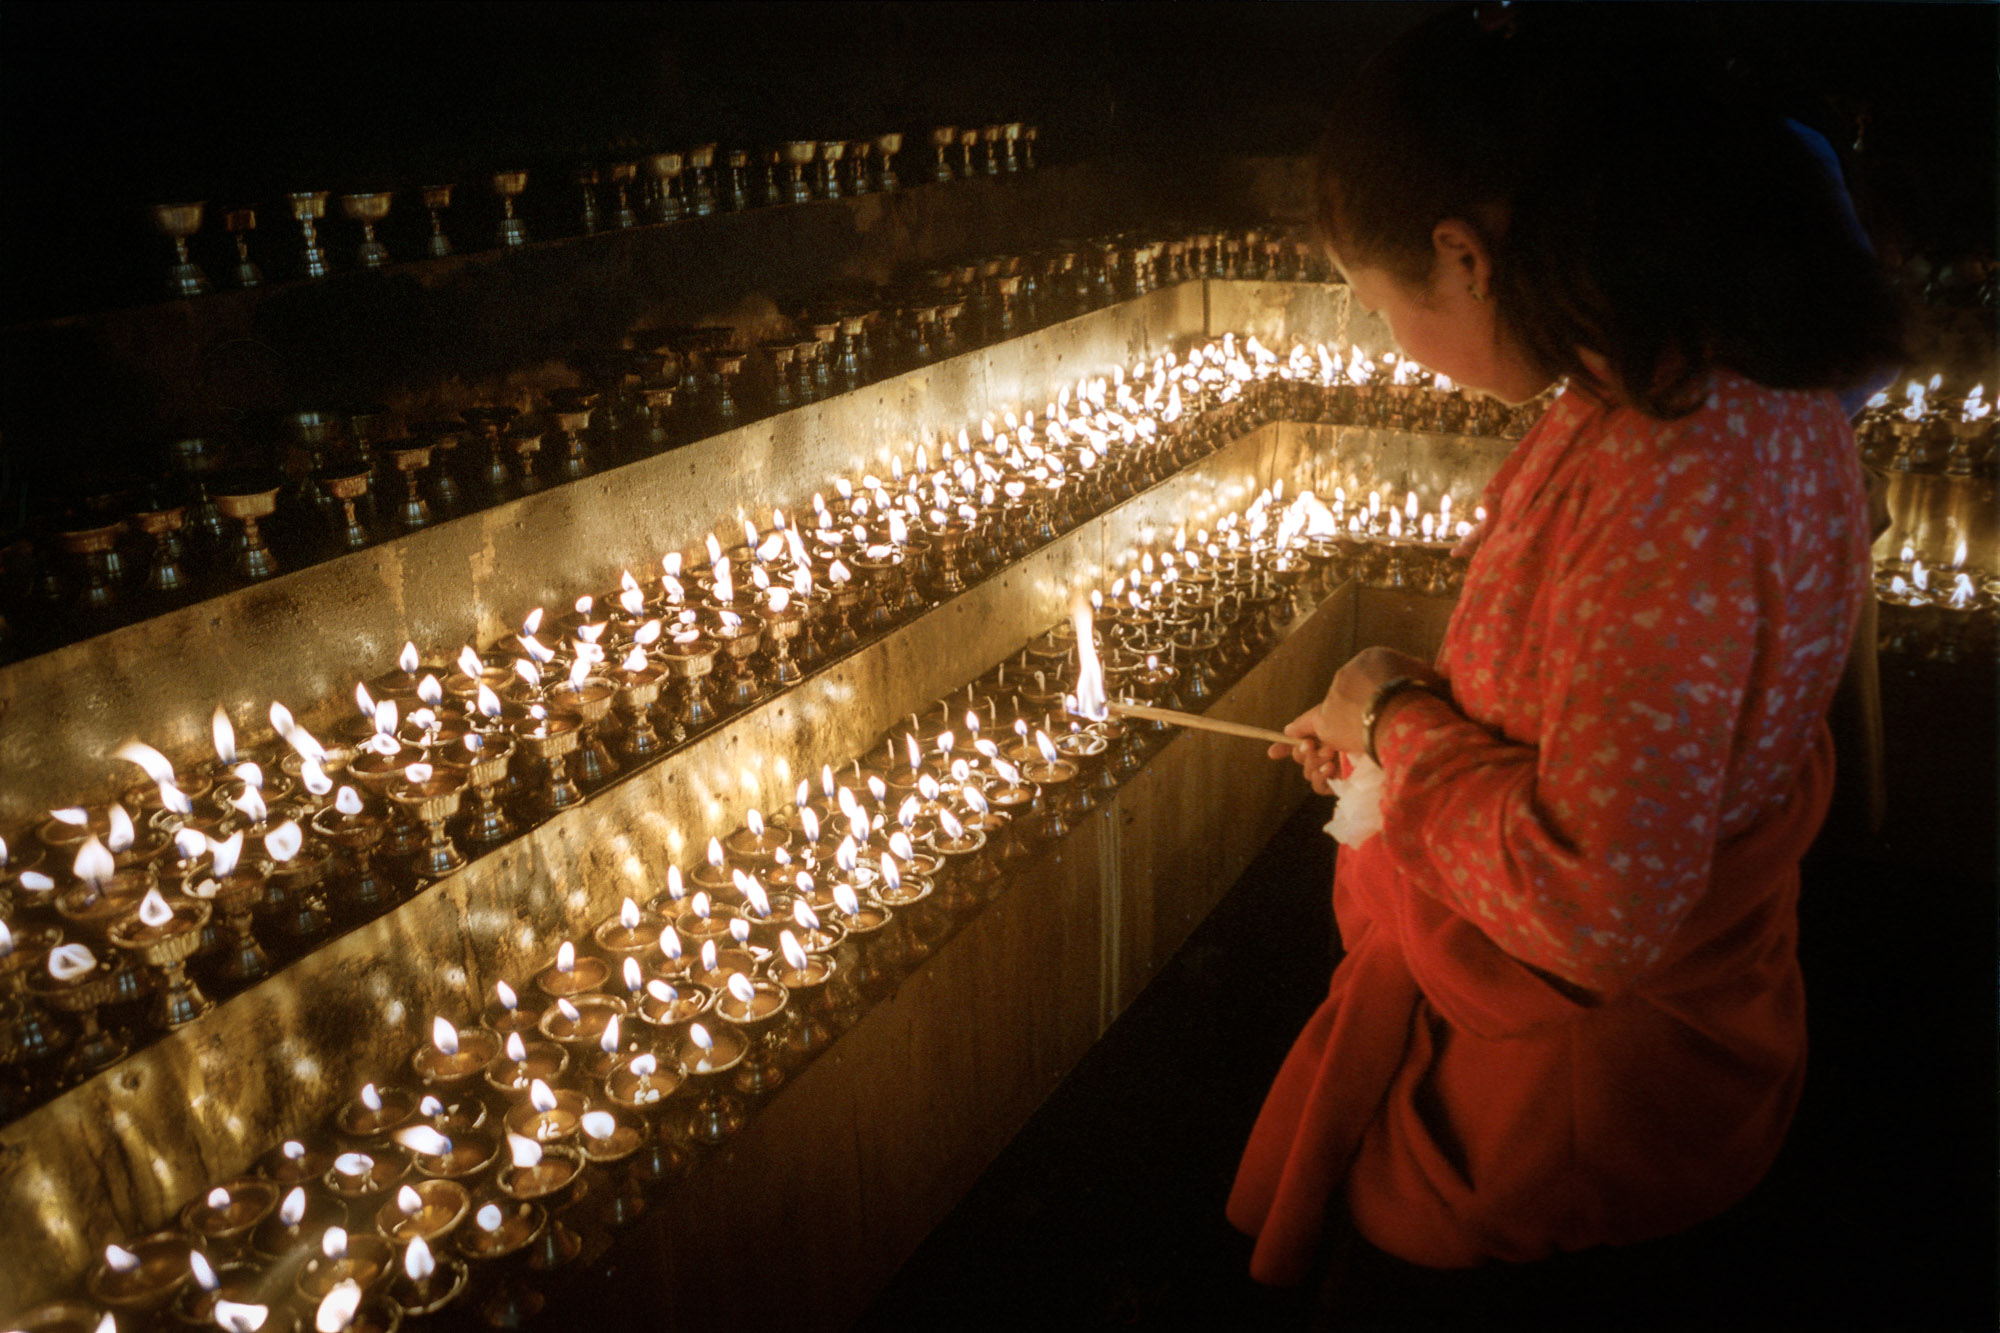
<point x="1320" y="763"/>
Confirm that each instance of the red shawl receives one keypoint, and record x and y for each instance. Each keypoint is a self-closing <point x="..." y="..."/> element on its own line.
<point x="1642" y="658"/>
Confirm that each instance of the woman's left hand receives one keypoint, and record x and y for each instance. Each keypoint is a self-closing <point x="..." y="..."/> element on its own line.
<point x="1335" y="723"/>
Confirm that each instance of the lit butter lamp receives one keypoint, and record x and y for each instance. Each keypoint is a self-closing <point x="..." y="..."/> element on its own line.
<point x="609" y="1140"/>
<point x="806" y="978"/>
<point x="427" y="1211"/>
<point x="299" y="1219"/>
<point x="432" y="794"/>
<point x="521" y="1062"/>
<point x="754" y="1007"/>
<point x="669" y="1006"/>
<point x="293" y="1162"/>
<point x="350" y="1307"/>
<point x="361" y="1259"/>
<point x="30" y="1040"/>
<point x="642" y="1087"/>
<point x="455" y="1057"/>
<point x="237" y="889"/>
<point x="638" y="683"/>
<point x="551" y="740"/>
<point x="163" y="936"/>
<point x="72" y="981"/>
<point x="139" y="1280"/>
<point x="757" y="844"/>
<point x="461" y="1154"/>
<point x="581" y="1025"/>
<point x="572" y="974"/>
<point x="864" y="923"/>
<point x="632" y="933"/>
<point x="355" y="832"/>
<point x="905" y="946"/>
<point x="374" y="1113"/>
<point x="548" y="1115"/>
<point x="709" y="1059"/>
<point x="221" y="1220"/>
<point x="499" y="1232"/>
<point x="427" y="1281"/>
<point x="359" y="1178"/>
<point x="225" y="1296"/>
<point x="505" y="1016"/>
<point x="535" y="1173"/>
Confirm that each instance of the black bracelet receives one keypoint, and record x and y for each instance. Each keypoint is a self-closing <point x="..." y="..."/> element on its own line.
<point x="1388" y="690"/>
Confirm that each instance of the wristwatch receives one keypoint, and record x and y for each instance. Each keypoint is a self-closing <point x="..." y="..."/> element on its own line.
<point x="1388" y="690"/>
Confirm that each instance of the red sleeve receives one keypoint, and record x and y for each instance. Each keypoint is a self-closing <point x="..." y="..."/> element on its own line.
<point x="1582" y="853"/>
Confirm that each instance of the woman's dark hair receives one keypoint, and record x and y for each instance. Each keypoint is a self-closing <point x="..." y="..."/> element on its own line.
<point x="1634" y="202"/>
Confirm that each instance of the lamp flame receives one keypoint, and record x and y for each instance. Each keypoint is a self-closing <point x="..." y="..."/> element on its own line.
<point x="566" y="957"/>
<point x="94" y="864"/>
<point x="489" y="1217"/>
<point x="424" y="1141"/>
<point x="526" y="1152"/>
<point x="517" y="1051"/>
<point x="238" y="1316"/>
<point x="333" y="1244"/>
<point x="251" y="802"/>
<point x="347" y="801"/>
<point x="153" y="910"/>
<point x="292" y="1210"/>
<point x="444" y="1036"/>
<point x="417" y="1261"/>
<point x="609" y="1042"/>
<point x="224" y="734"/>
<point x="541" y="1096"/>
<point x="740" y="987"/>
<point x="600" y="1124"/>
<point x="204" y="1276"/>
<point x="156" y="765"/>
<point x="226" y="854"/>
<point x="699" y="1036"/>
<point x="67" y="962"/>
<point x="284" y="841"/>
<point x="119" y="1259"/>
<point x="409" y="1201"/>
<point x="336" y="1313"/>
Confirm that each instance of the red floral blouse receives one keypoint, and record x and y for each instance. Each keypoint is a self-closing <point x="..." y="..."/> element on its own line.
<point x="1647" y="641"/>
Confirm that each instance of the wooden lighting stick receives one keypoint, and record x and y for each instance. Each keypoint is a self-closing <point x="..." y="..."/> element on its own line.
<point x="1197" y="722"/>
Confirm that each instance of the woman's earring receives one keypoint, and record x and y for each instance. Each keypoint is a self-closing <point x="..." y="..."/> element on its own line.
<point x="1473" y="288"/>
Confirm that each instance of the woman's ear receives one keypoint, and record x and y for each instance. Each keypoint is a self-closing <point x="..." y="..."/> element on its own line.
<point x="1462" y="260"/>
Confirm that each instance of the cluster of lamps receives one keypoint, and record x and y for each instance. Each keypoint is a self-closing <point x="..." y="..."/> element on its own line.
<point x="262" y="851"/>
<point x="322" y="483"/>
<point x="513" y="1141"/>
<point x="1934" y="574"/>
<point x="657" y="188"/>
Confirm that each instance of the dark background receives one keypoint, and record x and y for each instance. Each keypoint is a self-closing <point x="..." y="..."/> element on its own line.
<point x="110" y="107"/>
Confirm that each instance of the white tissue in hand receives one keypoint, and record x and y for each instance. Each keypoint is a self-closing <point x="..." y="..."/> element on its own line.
<point x="1357" y="811"/>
